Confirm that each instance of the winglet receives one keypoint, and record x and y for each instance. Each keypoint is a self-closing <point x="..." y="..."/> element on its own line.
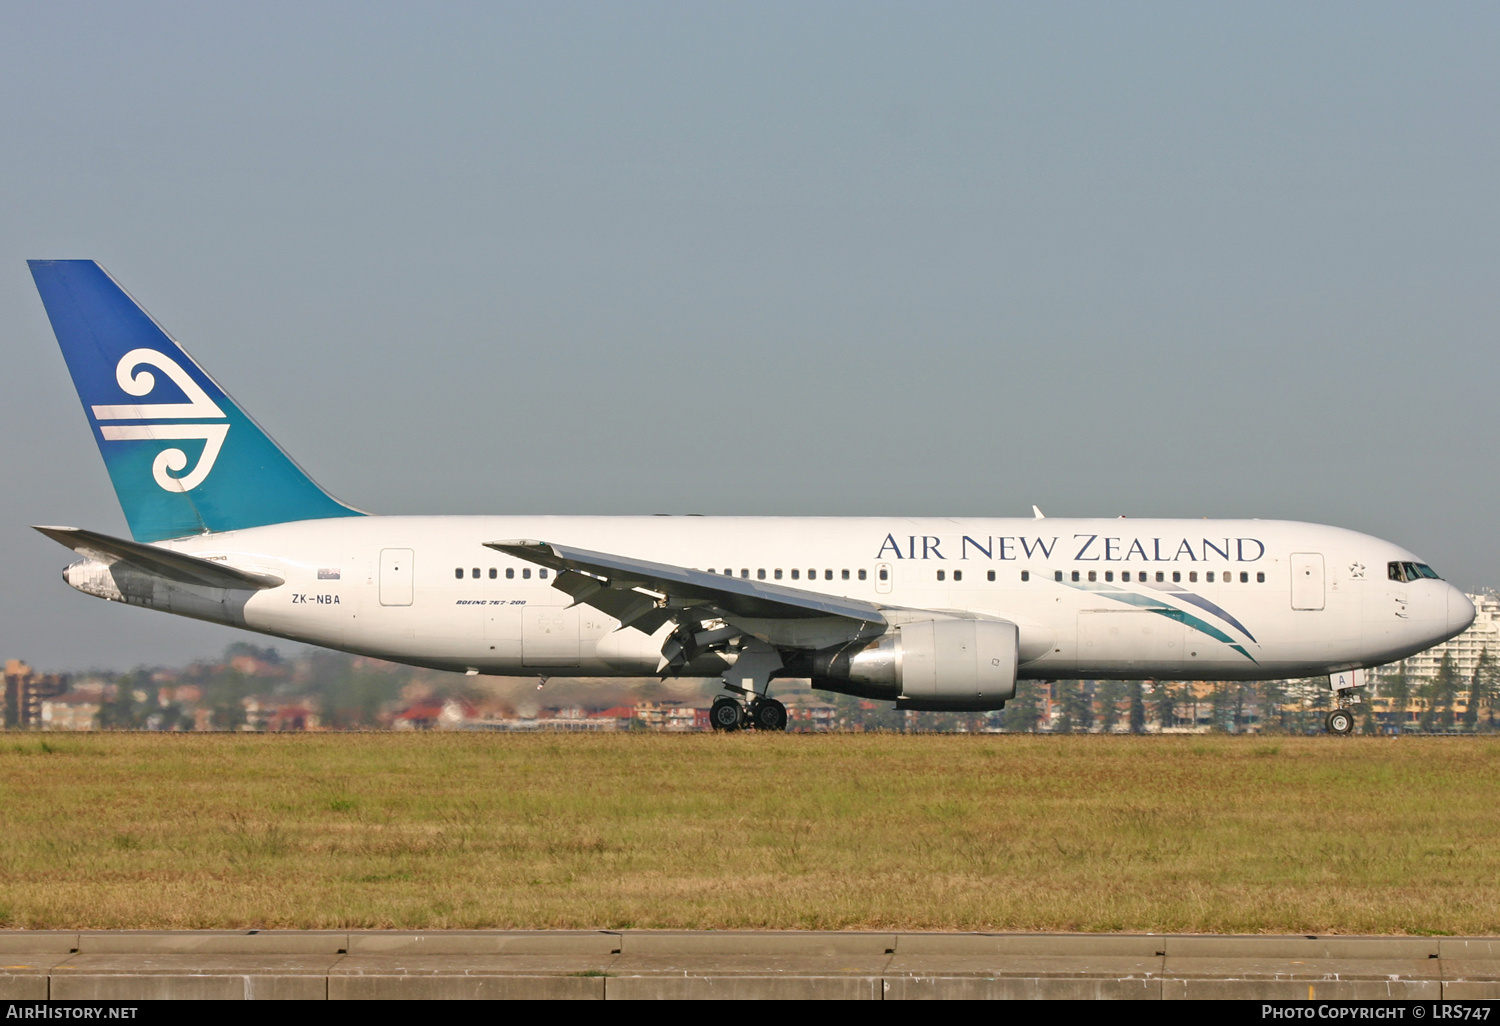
<point x="1038" y="513"/>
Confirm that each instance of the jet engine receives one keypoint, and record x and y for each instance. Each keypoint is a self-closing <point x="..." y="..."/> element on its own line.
<point x="959" y="665"/>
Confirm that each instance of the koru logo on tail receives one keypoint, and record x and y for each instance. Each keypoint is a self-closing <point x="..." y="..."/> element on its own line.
<point x="198" y="407"/>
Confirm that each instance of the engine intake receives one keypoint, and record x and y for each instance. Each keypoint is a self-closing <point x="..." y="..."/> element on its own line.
<point x="960" y="665"/>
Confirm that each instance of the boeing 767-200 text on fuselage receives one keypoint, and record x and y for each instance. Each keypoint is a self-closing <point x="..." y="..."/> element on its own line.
<point x="932" y="613"/>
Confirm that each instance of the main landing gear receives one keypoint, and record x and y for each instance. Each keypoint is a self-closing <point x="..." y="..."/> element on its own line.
<point x="761" y="714"/>
<point x="1340" y="721"/>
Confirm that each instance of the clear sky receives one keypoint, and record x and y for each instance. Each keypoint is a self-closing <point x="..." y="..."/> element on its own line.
<point x="820" y="258"/>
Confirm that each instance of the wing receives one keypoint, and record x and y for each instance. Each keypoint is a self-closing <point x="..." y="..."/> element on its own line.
<point x="175" y="566"/>
<point x="587" y="576"/>
<point x="646" y="595"/>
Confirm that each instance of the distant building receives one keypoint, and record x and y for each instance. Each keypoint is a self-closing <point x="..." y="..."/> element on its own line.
<point x="809" y="716"/>
<point x="665" y="716"/>
<point x="421" y="716"/>
<point x="25" y="691"/>
<point x="72" y="710"/>
<point x="614" y="718"/>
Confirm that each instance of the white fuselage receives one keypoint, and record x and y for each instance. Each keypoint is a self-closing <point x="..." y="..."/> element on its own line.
<point x="1199" y="599"/>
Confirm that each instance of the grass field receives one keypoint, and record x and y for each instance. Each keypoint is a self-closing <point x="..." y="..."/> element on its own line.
<point x="854" y="831"/>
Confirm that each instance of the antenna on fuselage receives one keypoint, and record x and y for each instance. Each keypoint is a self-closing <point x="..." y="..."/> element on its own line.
<point x="1038" y="513"/>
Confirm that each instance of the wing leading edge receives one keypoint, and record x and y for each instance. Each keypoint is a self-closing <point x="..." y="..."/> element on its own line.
<point x="649" y="594"/>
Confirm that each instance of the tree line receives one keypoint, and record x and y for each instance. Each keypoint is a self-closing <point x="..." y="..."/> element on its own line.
<point x="1448" y="702"/>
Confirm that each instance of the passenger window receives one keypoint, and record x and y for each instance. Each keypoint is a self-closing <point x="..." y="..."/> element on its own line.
<point x="476" y="573"/>
<point x="1192" y="576"/>
<point x="1092" y="575"/>
<point x="958" y="575"/>
<point x="1209" y="577"/>
<point x="885" y="575"/>
<point x="1075" y="575"/>
<point x="1025" y="575"/>
<point x="1057" y="575"/>
<point x="844" y="574"/>
<point x="1244" y="577"/>
<point x="1109" y="575"/>
<point x="861" y="575"/>
<point x="796" y="574"/>
<point x="526" y="573"/>
<point x="494" y="573"/>
<point x="510" y="573"/>
<point x="778" y="573"/>
<point x="458" y="572"/>
<point x="1160" y="577"/>
<point x="1125" y="576"/>
<point x="940" y="575"/>
<point x="812" y="575"/>
<point x="827" y="575"/>
<point x="760" y="575"/>
<point x="744" y="573"/>
<point x="542" y="573"/>
<point x="1260" y="578"/>
<point x="1176" y="577"/>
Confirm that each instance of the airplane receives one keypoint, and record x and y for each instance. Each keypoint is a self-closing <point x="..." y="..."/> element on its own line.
<point x="931" y="613"/>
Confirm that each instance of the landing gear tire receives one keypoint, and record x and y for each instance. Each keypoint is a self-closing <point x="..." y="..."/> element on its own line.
<point x="768" y="714"/>
<point x="1340" y="722"/>
<point x="726" y="714"/>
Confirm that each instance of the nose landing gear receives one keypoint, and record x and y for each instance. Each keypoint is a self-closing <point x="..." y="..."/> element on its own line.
<point x="1340" y="722"/>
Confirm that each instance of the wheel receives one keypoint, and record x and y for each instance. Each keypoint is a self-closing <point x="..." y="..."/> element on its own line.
<point x="768" y="714"/>
<point x="1340" y="721"/>
<point x="725" y="714"/>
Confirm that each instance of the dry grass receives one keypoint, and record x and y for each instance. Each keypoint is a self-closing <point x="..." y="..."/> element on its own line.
<point x="1230" y="834"/>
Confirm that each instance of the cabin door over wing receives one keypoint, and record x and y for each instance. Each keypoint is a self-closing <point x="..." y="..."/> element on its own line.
<point x="395" y="577"/>
<point x="1307" y="580"/>
<point x="549" y="636"/>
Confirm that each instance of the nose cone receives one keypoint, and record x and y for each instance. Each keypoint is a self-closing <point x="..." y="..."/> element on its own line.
<point x="1460" y="611"/>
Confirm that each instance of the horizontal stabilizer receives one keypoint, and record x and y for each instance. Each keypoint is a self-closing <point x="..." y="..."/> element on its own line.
<point x="175" y="566"/>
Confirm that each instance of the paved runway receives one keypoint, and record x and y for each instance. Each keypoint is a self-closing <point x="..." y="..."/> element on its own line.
<point x="129" y="965"/>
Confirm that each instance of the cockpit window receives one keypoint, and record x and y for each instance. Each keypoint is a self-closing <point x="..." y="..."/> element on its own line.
<point x="1410" y="571"/>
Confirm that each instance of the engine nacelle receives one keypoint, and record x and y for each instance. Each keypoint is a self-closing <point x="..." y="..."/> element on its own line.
<point x="958" y="665"/>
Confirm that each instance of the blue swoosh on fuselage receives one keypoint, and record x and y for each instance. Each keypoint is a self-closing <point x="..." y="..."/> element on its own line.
<point x="1203" y="603"/>
<point x="1151" y="605"/>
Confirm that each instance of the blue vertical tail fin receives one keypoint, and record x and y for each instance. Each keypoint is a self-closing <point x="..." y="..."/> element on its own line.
<point x="183" y="457"/>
